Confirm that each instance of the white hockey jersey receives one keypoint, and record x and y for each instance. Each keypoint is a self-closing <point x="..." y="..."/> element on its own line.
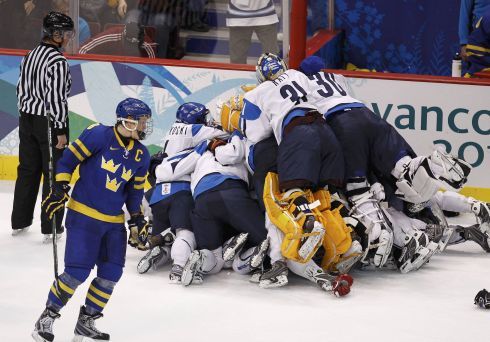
<point x="228" y="162"/>
<point x="329" y="93"/>
<point x="266" y="106"/>
<point x="174" y="175"/>
<point x="177" y="167"/>
<point x="182" y="136"/>
<point x="207" y="170"/>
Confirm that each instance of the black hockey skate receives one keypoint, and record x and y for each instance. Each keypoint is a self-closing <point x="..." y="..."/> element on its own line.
<point x="175" y="274"/>
<point x="231" y="248"/>
<point x="482" y="211"/>
<point x="479" y="233"/>
<point x="277" y="276"/>
<point x="85" y="329"/>
<point x="255" y="276"/>
<point x="482" y="299"/>
<point x="152" y="258"/>
<point x="258" y="255"/>
<point x="43" y="329"/>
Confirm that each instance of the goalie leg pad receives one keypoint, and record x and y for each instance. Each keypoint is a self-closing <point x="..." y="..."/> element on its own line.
<point x="383" y="250"/>
<point x="416" y="183"/>
<point x="482" y="212"/>
<point x="291" y="219"/>
<point x="366" y="209"/>
<point x="349" y="259"/>
<point x="449" y="169"/>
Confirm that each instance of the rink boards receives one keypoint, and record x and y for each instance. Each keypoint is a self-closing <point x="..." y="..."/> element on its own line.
<point x="452" y="114"/>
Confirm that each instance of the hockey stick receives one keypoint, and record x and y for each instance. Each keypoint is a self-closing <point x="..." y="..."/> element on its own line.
<point x="50" y="184"/>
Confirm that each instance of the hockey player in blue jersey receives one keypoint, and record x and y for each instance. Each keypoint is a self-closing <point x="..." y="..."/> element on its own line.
<point x="113" y="164"/>
<point x="478" y="47"/>
<point x="171" y="201"/>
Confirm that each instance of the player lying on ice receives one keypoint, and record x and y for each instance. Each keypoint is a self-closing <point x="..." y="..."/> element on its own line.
<point x="113" y="164"/>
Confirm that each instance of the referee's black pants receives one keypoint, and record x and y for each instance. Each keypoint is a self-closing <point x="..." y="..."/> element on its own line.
<point x="33" y="162"/>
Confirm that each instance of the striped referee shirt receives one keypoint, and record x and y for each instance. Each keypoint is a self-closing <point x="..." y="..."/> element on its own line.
<point x="44" y="84"/>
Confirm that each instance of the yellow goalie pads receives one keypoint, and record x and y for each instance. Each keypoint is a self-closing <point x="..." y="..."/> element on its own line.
<point x="337" y="238"/>
<point x="230" y="113"/>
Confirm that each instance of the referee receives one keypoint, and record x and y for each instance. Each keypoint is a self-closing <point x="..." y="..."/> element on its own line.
<point x="43" y="87"/>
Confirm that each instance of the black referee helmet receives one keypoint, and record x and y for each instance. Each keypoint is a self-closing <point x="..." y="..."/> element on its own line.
<point x="56" y="22"/>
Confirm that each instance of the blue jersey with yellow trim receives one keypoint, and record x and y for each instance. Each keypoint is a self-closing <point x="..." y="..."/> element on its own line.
<point x="111" y="174"/>
<point x="478" y="48"/>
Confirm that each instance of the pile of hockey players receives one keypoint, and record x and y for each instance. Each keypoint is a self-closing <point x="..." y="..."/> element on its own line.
<point x="295" y="174"/>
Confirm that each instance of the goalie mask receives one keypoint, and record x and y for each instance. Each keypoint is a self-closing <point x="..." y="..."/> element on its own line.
<point x="135" y="115"/>
<point x="269" y="67"/>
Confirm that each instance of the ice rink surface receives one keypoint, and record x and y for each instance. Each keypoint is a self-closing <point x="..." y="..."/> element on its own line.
<point x="430" y="305"/>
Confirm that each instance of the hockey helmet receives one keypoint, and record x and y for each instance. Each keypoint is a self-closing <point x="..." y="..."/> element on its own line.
<point x="137" y="112"/>
<point x="192" y="113"/>
<point x="56" y="22"/>
<point x="269" y="67"/>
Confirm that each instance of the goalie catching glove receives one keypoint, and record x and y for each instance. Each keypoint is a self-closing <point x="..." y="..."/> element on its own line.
<point x="139" y="229"/>
<point x="56" y="199"/>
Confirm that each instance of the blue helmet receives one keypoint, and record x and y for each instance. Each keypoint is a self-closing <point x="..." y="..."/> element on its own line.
<point x="192" y="113"/>
<point x="311" y="65"/>
<point x="269" y="67"/>
<point x="132" y="110"/>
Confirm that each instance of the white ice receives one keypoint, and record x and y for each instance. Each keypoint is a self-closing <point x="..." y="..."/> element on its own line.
<point x="433" y="304"/>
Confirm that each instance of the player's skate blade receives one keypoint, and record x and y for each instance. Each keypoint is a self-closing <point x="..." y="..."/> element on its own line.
<point x="255" y="276"/>
<point x="16" y="232"/>
<point x="79" y="338"/>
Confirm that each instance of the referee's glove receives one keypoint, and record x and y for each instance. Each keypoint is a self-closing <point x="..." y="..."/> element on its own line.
<point x="56" y="199"/>
<point x="139" y="229"/>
